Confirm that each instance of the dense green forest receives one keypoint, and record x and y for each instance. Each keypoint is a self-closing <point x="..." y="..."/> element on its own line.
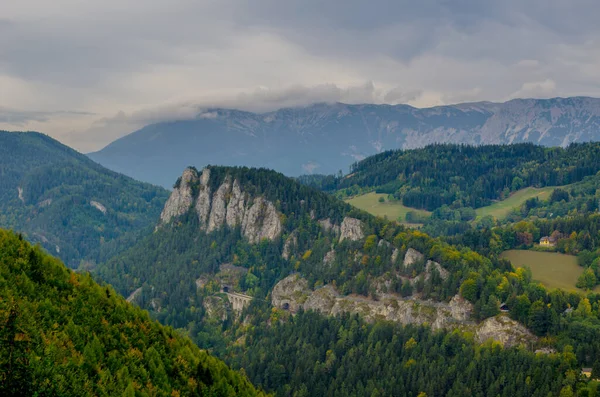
<point x="311" y="355"/>
<point x="463" y="176"/>
<point x="73" y="207"/>
<point x="61" y="334"/>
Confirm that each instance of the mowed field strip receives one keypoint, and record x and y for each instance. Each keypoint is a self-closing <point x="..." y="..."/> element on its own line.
<point x="394" y="210"/>
<point x="501" y="209"/>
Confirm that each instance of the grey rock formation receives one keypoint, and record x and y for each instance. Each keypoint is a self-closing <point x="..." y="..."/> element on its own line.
<point x="215" y="307"/>
<point x="203" y="199"/>
<point x="229" y="205"/>
<point x="235" y="207"/>
<point x="181" y="198"/>
<point x="328" y="226"/>
<point x="218" y="210"/>
<point x="434" y="265"/>
<point x="412" y="256"/>
<point x="384" y="243"/>
<point x="351" y="229"/>
<point x="329" y="257"/>
<point x="293" y="292"/>
<point x="97" y="205"/>
<point x="290" y="293"/>
<point x="20" y="193"/>
<point x="503" y="329"/>
<point x="261" y="221"/>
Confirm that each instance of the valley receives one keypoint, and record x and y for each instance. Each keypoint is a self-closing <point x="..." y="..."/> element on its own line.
<point x="240" y="260"/>
<point x="299" y="199"/>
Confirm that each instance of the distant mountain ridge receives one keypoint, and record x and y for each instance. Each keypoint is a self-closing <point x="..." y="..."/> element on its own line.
<point x="326" y="138"/>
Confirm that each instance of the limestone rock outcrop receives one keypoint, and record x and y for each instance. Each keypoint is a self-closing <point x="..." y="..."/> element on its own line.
<point x="504" y="330"/>
<point x="329" y="226"/>
<point x="351" y="229"/>
<point x="228" y="205"/>
<point x="261" y="221"/>
<point x="203" y="199"/>
<point x="218" y="210"/>
<point x="290" y="293"/>
<point x="412" y="256"/>
<point x="293" y="293"/>
<point x="181" y="198"/>
<point x="430" y="265"/>
<point x="235" y="207"/>
<point x="97" y="205"/>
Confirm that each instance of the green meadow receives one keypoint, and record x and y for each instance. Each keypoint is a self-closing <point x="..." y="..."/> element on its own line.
<point x="554" y="270"/>
<point x="394" y="210"/>
<point x="501" y="209"/>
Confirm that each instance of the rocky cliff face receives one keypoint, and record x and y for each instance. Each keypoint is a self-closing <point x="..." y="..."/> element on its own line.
<point x="293" y="293"/>
<point x="227" y="206"/>
<point x="503" y="329"/>
<point x="181" y="198"/>
<point x="351" y="229"/>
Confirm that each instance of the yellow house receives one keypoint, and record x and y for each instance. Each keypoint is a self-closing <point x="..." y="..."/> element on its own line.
<point x="547" y="241"/>
<point x="587" y="372"/>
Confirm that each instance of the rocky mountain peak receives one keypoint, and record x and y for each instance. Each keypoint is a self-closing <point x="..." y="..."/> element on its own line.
<point x="181" y="198"/>
<point x="227" y="206"/>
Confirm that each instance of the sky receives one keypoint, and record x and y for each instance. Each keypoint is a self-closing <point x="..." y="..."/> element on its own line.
<point x="88" y="72"/>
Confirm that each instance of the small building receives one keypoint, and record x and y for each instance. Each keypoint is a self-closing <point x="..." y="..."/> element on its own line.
<point x="504" y="307"/>
<point x="587" y="372"/>
<point x="547" y="241"/>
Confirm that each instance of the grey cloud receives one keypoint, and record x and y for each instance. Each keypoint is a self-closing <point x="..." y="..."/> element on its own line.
<point x="22" y="117"/>
<point x="173" y="59"/>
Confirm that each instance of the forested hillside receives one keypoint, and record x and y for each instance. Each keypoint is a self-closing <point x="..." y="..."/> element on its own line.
<point x="61" y="334"/>
<point x="311" y="355"/>
<point x="251" y="230"/>
<point x="464" y="176"/>
<point x="73" y="207"/>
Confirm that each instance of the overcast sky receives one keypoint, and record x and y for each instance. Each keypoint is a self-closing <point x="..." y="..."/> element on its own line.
<point x="87" y="72"/>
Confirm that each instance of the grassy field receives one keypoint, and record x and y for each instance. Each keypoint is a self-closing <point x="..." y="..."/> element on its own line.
<point x="552" y="269"/>
<point x="501" y="209"/>
<point x="394" y="210"/>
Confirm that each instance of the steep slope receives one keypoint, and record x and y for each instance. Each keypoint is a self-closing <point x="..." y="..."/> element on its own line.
<point x="325" y="138"/>
<point x="61" y="334"/>
<point x="72" y="206"/>
<point x="240" y="253"/>
<point x="260" y="233"/>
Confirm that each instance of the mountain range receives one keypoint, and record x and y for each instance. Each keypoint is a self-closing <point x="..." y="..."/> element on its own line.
<point x="327" y="138"/>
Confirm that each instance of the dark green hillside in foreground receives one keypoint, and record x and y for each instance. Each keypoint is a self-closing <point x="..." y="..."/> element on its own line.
<point x="61" y="334"/>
